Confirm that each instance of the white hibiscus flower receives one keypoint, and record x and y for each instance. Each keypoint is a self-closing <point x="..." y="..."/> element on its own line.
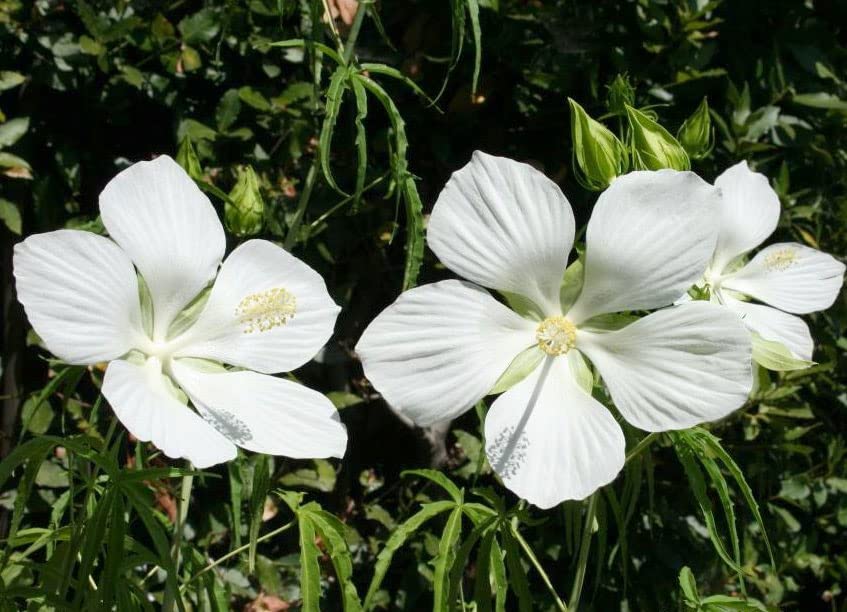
<point x="788" y="277"/>
<point x="267" y="312"/>
<point x="503" y="225"/>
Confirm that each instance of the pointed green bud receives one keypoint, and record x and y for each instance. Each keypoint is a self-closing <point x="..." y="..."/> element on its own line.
<point x="696" y="134"/>
<point x="598" y="155"/>
<point x="621" y="94"/>
<point x="244" y="212"/>
<point x="652" y="146"/>
<point x="187" y="158"/>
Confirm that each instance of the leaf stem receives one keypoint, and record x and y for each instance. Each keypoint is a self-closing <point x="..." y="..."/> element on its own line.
<point x="303" y="203"/>
<point x="642" y="444"/>
<point x="537" y="565"/>
<point x="238" y="551"/>
<point x="584" y="547"/>
<point x="182" y="514"/>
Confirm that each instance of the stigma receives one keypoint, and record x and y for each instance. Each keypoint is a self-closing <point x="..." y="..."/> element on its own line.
<point x="266" y="310"/>
<point x="556" y="335"/>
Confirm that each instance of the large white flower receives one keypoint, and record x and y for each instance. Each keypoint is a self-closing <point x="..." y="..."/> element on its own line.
<point x="503" y="225"/>
<point x="267" y="311"/>
<point x="788" y="277"/>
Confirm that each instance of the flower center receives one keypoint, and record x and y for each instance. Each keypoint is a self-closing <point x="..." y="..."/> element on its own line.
<point x="556" y="335"/>
<point x="780" y="260"/>
<point x="265" y="310"/>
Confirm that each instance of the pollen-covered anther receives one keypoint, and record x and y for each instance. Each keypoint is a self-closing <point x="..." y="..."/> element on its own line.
<point x="265" y="310"/>
<point x="781" y="260"/>
<point x="556" y="335"/>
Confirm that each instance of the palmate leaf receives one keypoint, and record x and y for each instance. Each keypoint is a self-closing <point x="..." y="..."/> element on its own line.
<point x="397" y="539"/>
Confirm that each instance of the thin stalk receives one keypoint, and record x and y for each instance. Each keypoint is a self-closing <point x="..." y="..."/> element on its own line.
<point x="641" y="446"/>
<point x="238" y="551"/>
<point x="182" y="514"/>
<point x="354" y="31"/>
<point x="537" y="565"/>
<point x="584" y="546"/>
<point x="302" y="203"/>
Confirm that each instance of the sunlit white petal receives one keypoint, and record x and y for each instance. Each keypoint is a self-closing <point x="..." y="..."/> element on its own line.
<point x="675" y="368"/>
<point x="440" y="348"/>
<point x="265" y="414"/>
<point x="506" y="226"/>
<point x="748" y="213"/>
<point x="80" y="293"/>
<point x="773" y="324"/>
<point x="268" y="311"/>
<point x="549" y="441"/>
<point x="156" y="213"/>
<point x="650" y="237"/>
<point x="142" y="401"/>
<point x="791" y="277"/>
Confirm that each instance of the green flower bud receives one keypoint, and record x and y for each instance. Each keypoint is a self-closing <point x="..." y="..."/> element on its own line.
<point x="245" y="209"/>
<point x="652" y="146"/>
<point x="621" y="94"/>
<point x="598" y="155"/>
<point x="187" y="158"/>
<point x="696" y="134"/>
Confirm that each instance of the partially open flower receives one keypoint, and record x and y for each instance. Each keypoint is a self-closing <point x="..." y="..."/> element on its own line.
<point x="787" y="277"/>
<point x="266" y="312"/>
<point x="441" y="347"/>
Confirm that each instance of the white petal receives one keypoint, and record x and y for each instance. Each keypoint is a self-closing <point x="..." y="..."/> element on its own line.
<point x="549" y="441"/>
<point x="261" y="271"/>
<point x="675" y="368"/>
<point x="505" y="226"/>
<point x="649" y="239"/>
<point x="440" y="348"/>
<point x="80" y="293"/>
<point x="156" y="213"/>
<point x="791" y="277"/>
<point x="773" y="324"/>
<point x="266" y="414"/>
<point x="141" y="400"/>
<point x="749" y="213"/>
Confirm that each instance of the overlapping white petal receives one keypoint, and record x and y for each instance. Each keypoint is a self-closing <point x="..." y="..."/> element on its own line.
<point x="142" y="401"/>
<point x="550" y="441"/>
<point x="440" y="348"/>
<point x="169" y="229"/>
<point x="649" y="238"/>
<point x="265" y="414"/>
<point x="254" y="269"/>
<point x="775" y="325"/>
<point x="791" y="277"/>
<point x="80" y="293"/>
<point x="506" y="226"/>
<point x="675" y="368"/>
<point x="748" y="213"/>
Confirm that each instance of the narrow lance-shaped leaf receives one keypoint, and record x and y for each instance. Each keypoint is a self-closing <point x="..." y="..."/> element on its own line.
<point x="444" y="560"/>
<point x="310" y="570"/>
<point x="331" y="531"/>
<point x="261" y="486"/>
<point x="361" y="142"/>
<point x="334" y="96"/>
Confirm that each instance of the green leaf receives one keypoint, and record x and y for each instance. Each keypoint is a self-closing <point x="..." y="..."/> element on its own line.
<point x="322" y="477"/>
<point x="498" y="577"/>
<point x="414" y="233"/>
<point x="13" y="130"/>
<point x="775" y="356"/>
<point x="455" y="493"/>
<point x="310" y="570"/>
<point x="201" y="27"/>
<point x="258" y="495"/>
<point x="11" y="217"/>
<point x="338" y="84"/>
<point x="820" y="99"/>
<point x="10" y="79"/>
<point x="397" y="539"/>
<point x="252" y="97"/>
<point x="516" y="573"/>
<point x="689" y="586"/>
<point x="331" y="531"/>
<point x="522" y="366"/>
<point x="444" y="560"/>
<point x="361" y="142"/>
<point x="228" y="108"/>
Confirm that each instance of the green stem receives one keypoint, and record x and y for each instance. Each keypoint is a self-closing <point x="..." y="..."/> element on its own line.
<point x="643" y="444"/>
<point x="182" y="514"/>
<point x="238" y="551"/>
<point x="354" y="31"/>
<point x="303" y="203"/>
<point x="537" y="565"/>
<point x="584" y="546"/>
